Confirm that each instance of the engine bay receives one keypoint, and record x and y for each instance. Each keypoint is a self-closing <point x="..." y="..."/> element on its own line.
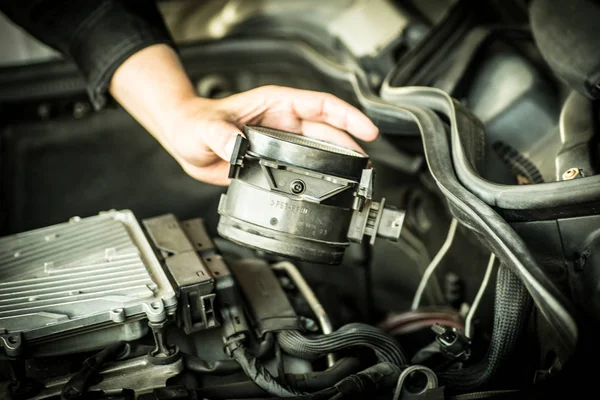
<point x="456" y="261"/>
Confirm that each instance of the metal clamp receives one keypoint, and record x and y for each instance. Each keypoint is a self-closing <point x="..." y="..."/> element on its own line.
<point x="402" y="393"/>
<point x="11" y="343"/>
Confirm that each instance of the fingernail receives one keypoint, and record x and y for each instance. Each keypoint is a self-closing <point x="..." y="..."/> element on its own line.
<point x="229" y="147"/>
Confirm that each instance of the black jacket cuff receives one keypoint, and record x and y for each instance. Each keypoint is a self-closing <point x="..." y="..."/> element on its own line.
<point x="108" y="37"/>
<point x="98" y="35"/>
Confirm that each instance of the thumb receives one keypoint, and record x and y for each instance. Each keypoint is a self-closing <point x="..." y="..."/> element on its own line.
<point x="221" y="138"/>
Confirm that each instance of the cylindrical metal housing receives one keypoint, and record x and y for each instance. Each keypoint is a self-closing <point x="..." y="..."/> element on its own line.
<point x="296" y="196"/>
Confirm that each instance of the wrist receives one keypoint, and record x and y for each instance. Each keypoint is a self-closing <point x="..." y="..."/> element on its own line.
<point x="185" y="115"/>
<point x="153" y="86"/>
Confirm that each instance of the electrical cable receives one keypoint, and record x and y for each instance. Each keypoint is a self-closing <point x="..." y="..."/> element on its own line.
<point x="418" y="325"/>
<point x="505" y="243"/>
<point x="310" y="297"/>
<point x="368" y="381"/>
<point x="306" y="382"/>
<point x="77" y="386"/>
<point x="259" y="374"/>
<point x="472" y="210"/>
<point x="479" y="296"/>
<point x="511" y="311"/>
<point x="411" y="321"/>
<point x="350" y="335"/>
<point x="409" y="111"/>
<point x="430" y="312"/>
<point x="434" y="264"/>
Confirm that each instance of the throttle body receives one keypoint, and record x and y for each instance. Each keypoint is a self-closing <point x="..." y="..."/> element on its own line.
<point x="301" y="198"/>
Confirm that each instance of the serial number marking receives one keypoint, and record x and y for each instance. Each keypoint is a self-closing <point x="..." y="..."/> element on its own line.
<point x="283" y="205"/>
<point x="315" y="228"/>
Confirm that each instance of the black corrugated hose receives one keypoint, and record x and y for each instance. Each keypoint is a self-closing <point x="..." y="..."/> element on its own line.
<point x="306" y="382"/>
<point x="259" y="374"/>
<point x="350" y="335"/>
<point x="390" y="356"/>
<point x="367" y="381"/>
<point x="511" y="310"/>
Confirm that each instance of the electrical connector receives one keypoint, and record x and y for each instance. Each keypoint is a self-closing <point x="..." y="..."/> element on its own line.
<point x="453" y="343"/>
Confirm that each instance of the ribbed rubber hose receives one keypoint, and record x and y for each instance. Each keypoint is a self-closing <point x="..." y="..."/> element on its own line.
<point x="367" y="381"/>
<point x="471" y="210"/>
<point x="351" y="335"/>
<point x="511" y="310"/>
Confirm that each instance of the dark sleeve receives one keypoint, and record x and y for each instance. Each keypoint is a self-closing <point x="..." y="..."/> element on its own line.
<point x="98" y="35"/>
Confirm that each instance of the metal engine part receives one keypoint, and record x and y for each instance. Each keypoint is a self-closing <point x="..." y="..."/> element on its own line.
<point x="138" y="373"/>
<point x="80" y="285"/>
<point x="301" y="197"/>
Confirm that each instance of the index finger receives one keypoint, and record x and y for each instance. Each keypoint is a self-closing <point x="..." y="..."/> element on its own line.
<point x="327" y="108"/>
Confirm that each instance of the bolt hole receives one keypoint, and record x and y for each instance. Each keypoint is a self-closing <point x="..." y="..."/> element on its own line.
<point x="217" y="273"/>
<point x="199" y="244"/>
<point x="156" y="305"/>
<point x="13" y="339"/>
<point x="273" y="221"/>
<point x="416" y="383"/>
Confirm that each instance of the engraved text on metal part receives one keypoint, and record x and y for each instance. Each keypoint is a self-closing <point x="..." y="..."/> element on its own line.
<point x="283" y="205"/>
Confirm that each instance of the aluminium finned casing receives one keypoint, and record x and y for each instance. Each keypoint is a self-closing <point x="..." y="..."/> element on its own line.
<point x="97" y="278"/>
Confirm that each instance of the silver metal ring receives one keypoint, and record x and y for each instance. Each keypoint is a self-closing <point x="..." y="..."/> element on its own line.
<point x="304" y="152"/>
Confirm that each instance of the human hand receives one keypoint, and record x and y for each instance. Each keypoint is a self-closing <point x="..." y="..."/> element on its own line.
<point x="203" y="135"/>
<point x="200" y="133"/>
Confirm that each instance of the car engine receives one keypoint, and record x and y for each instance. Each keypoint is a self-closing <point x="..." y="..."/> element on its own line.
<point x="458" y="260"/>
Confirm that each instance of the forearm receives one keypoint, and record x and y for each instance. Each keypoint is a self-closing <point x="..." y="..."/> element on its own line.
<point x="98" y="35"/>
<point x="154" y="88"/>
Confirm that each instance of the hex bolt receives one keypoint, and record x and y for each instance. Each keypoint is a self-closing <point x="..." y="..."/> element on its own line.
<point x="297" y="186"/>
<point x="572" y="173"/>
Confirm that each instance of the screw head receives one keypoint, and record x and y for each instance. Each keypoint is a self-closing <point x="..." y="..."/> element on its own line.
<point x="297" y="186"/>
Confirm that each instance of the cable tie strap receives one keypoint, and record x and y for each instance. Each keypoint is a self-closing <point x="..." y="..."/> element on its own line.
<point x="233" y="343"/>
